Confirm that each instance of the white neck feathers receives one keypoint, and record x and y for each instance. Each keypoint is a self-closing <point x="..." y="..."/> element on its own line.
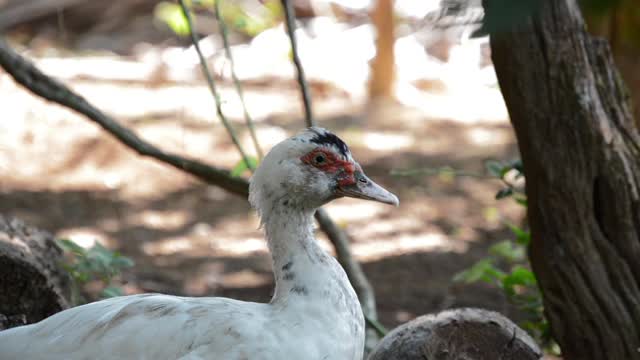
<point x="298" y="260"/>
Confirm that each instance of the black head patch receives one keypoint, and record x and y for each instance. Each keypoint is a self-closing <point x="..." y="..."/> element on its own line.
<point x="325" y="138"/>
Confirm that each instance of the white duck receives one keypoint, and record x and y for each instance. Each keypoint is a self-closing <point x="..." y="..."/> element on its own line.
<point x="314" y="313"/>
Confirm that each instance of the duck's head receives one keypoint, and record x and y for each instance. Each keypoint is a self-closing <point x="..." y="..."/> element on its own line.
<point x="309" y="170"/>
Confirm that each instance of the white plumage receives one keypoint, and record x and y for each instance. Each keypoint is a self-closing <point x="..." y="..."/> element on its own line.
<point x="314" y="313"/>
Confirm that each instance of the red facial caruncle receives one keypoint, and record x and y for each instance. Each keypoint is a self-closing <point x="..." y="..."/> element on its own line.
<point x="328" y="162"/>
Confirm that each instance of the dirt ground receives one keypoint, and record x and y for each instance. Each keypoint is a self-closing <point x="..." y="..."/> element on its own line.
<point x="65" y="175"/>
<point x="62" y="173"/>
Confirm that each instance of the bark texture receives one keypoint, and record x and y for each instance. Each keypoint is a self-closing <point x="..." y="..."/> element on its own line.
<point x="581" y="159"/>
<point x="32" y="284"/>
<point x="462" y="334"/>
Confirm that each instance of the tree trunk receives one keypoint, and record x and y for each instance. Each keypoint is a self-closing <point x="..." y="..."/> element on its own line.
<point x="472" y="334"/>
<point x="581" y="159"/>
<point x="383" y="64"/>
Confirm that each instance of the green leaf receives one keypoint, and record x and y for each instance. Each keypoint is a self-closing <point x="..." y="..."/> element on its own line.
<point x="172" y="15"/>
<point x="111" y="291"/>
<point x="99" y="257"/>
<point x="523" y="276"/>
<point x="118" y="261"/>
<point x="484" y="270"/>
<point x="70" y="246"/>
<point x="242" y="166"/>
<point x="95" y="263"/>
<point x="503" y="193"/>
<point x="517" y="165"/>
<point x="519" y="276"/>
<point x="508" y="251"/>
<point x="494" y="168"/>
<point x="523" y="237"/>
<point x="521" y="200"/>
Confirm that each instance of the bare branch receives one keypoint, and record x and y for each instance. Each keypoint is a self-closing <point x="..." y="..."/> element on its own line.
<point x="290" y="20"/>
<point x="212" y="86"/>
<point x="26" y="74"/>
<point x="236" y="82"/>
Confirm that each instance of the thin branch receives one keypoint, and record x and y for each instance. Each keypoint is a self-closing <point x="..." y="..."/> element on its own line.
<point x="26" y="74"/>
<point x="236" y="82"/>
<point x="443" y="170"/>
<point x="377" y="326"/>
<point x="212" y="86"/>
<point x="290" y="20"/>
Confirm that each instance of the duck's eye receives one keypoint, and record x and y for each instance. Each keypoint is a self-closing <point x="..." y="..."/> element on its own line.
<point x="319" y="159"/>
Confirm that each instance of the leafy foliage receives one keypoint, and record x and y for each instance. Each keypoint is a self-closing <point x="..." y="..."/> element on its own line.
<point x="94" y="264"/>
<point x="172" y="15"/>
<point x="246" y="21"/>
<point x="506" y="265"/>
<point x="242" y="166"/>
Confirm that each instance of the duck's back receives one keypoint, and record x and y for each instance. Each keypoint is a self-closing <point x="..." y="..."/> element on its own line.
<point x="153" y="326"/>
<point x="148" y="326"/>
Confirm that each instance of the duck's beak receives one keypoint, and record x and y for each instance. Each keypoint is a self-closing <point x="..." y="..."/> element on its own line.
<point x="365" y="188"/>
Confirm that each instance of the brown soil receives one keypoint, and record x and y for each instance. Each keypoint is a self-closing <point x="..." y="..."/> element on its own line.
<point x="63" y="174"/>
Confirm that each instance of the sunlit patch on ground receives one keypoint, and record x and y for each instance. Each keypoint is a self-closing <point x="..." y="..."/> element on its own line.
<point x="387" y="142"/>
<point x="349" y="210"/>
<point x="167" y="246"/>
<point x="85" y="237"/>
<point x="407" y="244"/>
<point x="237" y="247"/>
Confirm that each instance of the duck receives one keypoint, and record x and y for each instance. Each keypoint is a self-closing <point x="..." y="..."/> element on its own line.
<point x="314" y="312"/>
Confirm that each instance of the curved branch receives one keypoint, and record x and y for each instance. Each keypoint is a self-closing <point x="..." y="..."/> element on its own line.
<point x="27" y="75"/>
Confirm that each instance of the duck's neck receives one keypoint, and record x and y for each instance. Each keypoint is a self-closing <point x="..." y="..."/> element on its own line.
<point x="299" y="263"/>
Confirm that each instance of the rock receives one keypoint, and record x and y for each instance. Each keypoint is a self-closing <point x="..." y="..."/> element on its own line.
<point x="33" y="285"/>
<point x="460" y="334"/>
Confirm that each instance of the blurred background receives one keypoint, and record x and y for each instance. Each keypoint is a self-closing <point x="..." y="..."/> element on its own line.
<point x="403" y="82"/>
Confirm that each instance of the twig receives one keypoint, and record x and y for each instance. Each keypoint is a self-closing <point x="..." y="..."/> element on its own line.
<point x="212" y="86"/>
<point x="437" y="171"/>
<point x="377" y="326"/>
<point x="236" y="82"/>
<point x="290" y="20"/>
